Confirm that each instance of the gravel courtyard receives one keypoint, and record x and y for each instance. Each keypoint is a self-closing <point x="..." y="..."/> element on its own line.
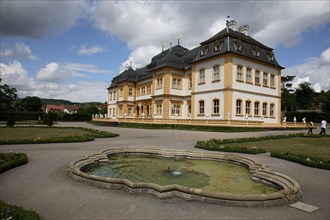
<point x="43" y="184"/>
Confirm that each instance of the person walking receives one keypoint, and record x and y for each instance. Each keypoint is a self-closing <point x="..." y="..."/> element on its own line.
<point x="323" y="127"/>
<point x="311" y="126"/>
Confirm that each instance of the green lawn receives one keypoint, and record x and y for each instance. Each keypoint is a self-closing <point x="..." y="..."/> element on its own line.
<point x="28" y="135"/>
<point x="312" y="147"/>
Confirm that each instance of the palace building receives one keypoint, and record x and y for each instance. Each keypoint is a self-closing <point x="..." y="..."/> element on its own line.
<point x="230" y="79"/>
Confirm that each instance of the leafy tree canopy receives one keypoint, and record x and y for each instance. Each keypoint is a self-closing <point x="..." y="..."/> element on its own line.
<point x="30" y="104"/>
<point x="7" y="96"/>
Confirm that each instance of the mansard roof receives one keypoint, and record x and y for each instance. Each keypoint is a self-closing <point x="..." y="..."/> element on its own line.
<point x="229" y="37"/>
<point x="182" y="58"/>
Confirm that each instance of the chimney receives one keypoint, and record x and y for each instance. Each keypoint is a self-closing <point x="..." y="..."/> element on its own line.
<point x="231" y="24"/>
<point x="244" y="29"/>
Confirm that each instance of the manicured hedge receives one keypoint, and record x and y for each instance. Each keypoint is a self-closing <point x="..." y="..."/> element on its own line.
<point x="21" y="116"/>
<point x="297" y="158"/>
<point x="310" y="116"/>
<point x="17" y="213"/>
<point x="11" y="160"/>
<point x="189" y="127"/>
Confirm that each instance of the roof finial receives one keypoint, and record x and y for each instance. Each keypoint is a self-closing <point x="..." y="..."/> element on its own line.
<point x="179" y="37"/>
<point x="163" y="46"/>
<point x="170" y="46"/>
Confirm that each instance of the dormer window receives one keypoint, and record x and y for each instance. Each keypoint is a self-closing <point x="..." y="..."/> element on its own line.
<point x="238" y="45"/>
<point x="218" y="45"/>
<point x="204" y="49"/>
<point x="271" y="56"/>
<point x="256" y="51"/>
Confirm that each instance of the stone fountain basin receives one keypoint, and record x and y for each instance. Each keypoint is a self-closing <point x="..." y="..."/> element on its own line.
<point x="289" y="189"/>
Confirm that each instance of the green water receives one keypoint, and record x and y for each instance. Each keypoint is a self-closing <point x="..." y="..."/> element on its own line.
<point x="207" y="175"/>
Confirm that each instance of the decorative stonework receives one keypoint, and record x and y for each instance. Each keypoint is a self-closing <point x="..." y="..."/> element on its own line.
<point x="289" y="192"/>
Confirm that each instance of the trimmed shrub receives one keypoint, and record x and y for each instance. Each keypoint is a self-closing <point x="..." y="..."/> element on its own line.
<point x="11" y="160"/>
<point x="48" y="119"/>
<point x="20" y="116"/>
<point x="301" y="159"/>
<point x="11" y="120"/>
<point x="17" y="213"/>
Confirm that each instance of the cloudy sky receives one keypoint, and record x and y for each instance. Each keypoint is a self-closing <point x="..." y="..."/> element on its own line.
<point x="72" y="49"/>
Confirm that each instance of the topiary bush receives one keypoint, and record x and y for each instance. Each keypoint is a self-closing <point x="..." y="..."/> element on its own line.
<point x="11" y="120"/>
<point x="48" y="120"/>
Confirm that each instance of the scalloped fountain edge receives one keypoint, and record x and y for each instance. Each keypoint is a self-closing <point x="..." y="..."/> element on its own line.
<point x="289" y="192"/>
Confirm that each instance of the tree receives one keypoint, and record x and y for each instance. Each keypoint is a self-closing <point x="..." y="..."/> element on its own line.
<point x="304" y="96"/>
<point x="7" y="96"/>
<point x="88" y="109"/>
<point x="30" y="104"/>
<point x="288" y="102"/>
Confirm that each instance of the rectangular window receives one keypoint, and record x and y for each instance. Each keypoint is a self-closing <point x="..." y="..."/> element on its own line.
<point x="159" y="109"/>
<point x="239" y="75"/>
<point x="264" y="109"/>
<point x="174" y="86"/>
<point x="265" y="79"/>
<point x="272" y="81"/>
<point x="248" y="75"/>
<point x="160" y="83"/>
<point x="130" y="92"/>
<point x="113" y="112"/>
<point x="129" y="111"/>
<point x="271" y="110"/>
<point x="179" y="83"/>
<point x="143" y="90"/>
<point x="238" y="107"/>
<point x="120" y="110"/>
<point x="110" y="111"/>
<point x="138" y="91"/>
<point x="201" y="76"/>
<point x="176" y="83"/>
<point x="256" y="108"/>
<point x="216" y="73"/>
<point x="201" y="107"/>
<point x="216" y="106"/>
<point x="189" y="83"/>
<point x="248" y="107"/>
<point x="257" y="77"/>
<point x="176" y="109"/>
<point x="121" y="92"/>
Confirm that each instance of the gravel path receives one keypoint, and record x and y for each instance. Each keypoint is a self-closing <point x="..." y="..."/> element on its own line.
<point x="44" y="186"/>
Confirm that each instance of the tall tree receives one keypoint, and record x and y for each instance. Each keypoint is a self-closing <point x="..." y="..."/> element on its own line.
<point x="7" y="96"/>
<point x="288" y="97"/>
<point x="304" y="96"/>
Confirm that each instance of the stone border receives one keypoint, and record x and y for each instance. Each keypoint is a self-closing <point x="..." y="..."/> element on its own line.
<point x="290" y="191"/>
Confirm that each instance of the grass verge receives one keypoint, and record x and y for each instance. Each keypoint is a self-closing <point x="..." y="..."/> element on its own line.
<point x="17" y="213"/>
<point x="309" y="150"/>
<point x="38" y="135"/>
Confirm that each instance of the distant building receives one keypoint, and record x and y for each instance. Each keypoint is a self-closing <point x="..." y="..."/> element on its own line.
<point x="228" y="79"/>
<point x="69" y="109"/>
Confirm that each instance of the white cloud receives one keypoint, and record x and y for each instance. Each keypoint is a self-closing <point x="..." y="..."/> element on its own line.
<point x="20" y="50"/>
<point x="151" y="23"/>
<point x="59" y="72"/>
<point x="315" y="70"/>
<point x="90" y="50"/>
<point x="50" y="81"/>
<point x="140" y="57"/>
